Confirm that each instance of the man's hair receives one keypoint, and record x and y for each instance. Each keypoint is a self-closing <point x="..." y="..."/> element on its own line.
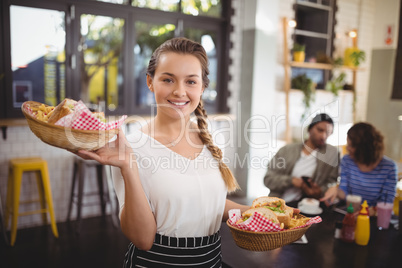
<point x="320" y="118"/>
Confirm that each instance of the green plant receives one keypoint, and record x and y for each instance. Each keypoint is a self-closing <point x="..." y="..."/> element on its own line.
<point x="321" y="57"/>
<point x="338" y="62"/>
<point x="358" y="57"/>
<point x="336" y="84"/>
<point x="307" y="86"/>
<point x="298" y="47"/>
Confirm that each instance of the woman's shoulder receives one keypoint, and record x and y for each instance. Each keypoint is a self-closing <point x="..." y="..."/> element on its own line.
<point x="386" y="161"/>
<point x="346" y="157"/>
<point x="347" y="160"/>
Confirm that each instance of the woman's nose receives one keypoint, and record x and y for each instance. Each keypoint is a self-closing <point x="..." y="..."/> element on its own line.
<point x="179" y="91"/>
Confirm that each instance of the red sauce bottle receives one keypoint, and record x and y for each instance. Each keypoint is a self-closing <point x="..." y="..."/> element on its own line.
<point x="348" y="226"/>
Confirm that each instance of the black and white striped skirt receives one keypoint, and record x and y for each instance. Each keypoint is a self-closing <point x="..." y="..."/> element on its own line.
<point x="177" y="252"/>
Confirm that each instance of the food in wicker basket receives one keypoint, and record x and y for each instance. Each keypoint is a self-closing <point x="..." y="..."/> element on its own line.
<point x="261" y="231"/>
<point x="64" y="108"/>
<point x="265" y="241"/>
<point x="92" y="135"/>
<point x="264" y="211"/>
<point x="278" y="206"/>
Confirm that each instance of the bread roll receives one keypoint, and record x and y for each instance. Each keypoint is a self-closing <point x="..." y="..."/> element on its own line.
<point x="64" y="108"/>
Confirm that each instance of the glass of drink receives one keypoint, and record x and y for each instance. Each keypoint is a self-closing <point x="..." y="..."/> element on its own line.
<point x="384" y="211"/>
<point x="356" y="201"/>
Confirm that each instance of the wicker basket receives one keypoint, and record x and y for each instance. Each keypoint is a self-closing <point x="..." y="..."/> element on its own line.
<point x="66" y="138"/>
<point x="264" y="241"/>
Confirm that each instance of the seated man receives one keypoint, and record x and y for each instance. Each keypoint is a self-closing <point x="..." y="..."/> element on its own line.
<point x="313" y="158"/>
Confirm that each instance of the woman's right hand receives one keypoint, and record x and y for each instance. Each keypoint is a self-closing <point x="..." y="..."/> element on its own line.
<point x="117" y="153"/>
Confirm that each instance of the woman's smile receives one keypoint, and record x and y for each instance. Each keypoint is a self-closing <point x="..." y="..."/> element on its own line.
<point x="179" y="104"/>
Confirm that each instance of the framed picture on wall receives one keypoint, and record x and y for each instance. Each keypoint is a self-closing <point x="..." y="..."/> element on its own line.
<point x="22" y="91"/>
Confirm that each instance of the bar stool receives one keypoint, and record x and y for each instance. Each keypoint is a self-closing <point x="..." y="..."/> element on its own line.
<point x="76" y="196"/>
<point x="3" y="228"/>
<point x="16" y="169"/>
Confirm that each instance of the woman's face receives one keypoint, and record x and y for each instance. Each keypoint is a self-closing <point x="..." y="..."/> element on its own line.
<point x="351" y="150"/>
<point x="177" y="84"/>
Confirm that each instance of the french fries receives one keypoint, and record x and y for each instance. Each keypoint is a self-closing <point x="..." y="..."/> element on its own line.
<point x="296" y="221"/>
<point x="42" y="112"/>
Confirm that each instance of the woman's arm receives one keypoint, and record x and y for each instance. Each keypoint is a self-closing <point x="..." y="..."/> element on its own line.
<point x="232" y="205"/>
<point x="137" y="220"/>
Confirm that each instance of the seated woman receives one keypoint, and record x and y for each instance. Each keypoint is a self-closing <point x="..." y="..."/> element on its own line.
<point x="365" y="171"/>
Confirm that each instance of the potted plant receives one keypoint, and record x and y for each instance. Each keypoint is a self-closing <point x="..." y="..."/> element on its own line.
<point x="358" y="57"/>
<point x="299" y="53"/>
<point x="307" y="86"/>
<point x="354" y="56"/>
<point x="336" y="84"/>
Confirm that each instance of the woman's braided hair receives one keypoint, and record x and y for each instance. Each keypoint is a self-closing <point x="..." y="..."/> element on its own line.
<point x="186" y="46"/>
<point x="206" y="138"/>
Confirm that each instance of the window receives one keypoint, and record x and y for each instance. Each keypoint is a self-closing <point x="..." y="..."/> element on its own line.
<point x="100" y="56"/>
<point x="148" y="37"/>
<point x="315" y="27"/>
<point x="98" y="51"/>
<point x="37" y="55"/>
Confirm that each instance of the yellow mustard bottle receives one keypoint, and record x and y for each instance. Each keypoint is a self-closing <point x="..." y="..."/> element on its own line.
<point x="362" y="232"/>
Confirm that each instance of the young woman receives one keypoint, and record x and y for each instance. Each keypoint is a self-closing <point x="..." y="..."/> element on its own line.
<point x="365" y="171"/>
<point x="172" y="182"/>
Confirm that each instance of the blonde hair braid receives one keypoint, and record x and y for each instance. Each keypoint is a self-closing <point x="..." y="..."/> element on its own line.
<point x="206" y="138"/>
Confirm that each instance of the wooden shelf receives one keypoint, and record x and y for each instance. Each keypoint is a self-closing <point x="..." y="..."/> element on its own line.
<point x="322" y="66"/>
<point x="13" y="122"/>
<point x="288" y="65"/>
<point x="311" y="65"/>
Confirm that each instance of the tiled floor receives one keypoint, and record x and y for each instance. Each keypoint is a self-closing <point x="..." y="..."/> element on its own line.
<point x="98" y="245"/>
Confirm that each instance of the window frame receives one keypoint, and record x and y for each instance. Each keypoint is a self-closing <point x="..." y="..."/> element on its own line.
<point x="131" y="14"/>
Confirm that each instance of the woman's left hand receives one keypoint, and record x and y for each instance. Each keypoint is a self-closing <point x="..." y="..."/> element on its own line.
<point x="330" y="196"/>
<point x="116" y="153"/>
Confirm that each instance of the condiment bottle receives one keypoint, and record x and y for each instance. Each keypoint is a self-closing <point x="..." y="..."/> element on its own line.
<point x="362" y="233"/>
<point x="338" y="229"/>
<point x="348" y="225"/>
<point x="398" y="197"/>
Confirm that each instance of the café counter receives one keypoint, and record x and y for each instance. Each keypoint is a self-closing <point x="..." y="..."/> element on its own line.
<point x="322" y="249"/>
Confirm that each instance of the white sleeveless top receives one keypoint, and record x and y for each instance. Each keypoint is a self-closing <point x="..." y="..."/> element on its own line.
<point x="186" y="196"/>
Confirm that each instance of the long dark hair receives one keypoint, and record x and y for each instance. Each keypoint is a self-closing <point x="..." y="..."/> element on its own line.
<point x="368" y="143"/>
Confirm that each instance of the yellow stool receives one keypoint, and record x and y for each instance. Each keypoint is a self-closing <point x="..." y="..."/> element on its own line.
<point x="17" y="167"/>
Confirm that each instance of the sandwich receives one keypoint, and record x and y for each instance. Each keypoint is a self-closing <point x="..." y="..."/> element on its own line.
<point x="267" y="213"/>
<point x="64" y="108"/>
<point x="278" y="206"/>
<point x="274" y="203"/>
<point x="100" y="116"/>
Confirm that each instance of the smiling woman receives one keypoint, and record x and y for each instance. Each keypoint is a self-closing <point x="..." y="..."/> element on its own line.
<point x="158" y="201"/>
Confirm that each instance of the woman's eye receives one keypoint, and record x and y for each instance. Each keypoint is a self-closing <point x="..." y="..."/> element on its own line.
<point x="167" y="80"/>
<point x="191" y="82"/>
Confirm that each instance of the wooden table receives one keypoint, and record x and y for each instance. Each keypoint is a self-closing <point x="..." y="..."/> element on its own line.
<point x="322" y="250"/>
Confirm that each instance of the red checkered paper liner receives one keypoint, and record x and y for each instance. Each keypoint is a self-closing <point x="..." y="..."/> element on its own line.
<point x="83" y="119"/>
<point x="258" y="223"/>
<point x="28" y="109"/>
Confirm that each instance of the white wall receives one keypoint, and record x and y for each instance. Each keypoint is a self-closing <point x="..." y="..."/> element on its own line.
<point x="266" y="92"/>
<point x="387" y="14"/>
<point x="382" y="111"/>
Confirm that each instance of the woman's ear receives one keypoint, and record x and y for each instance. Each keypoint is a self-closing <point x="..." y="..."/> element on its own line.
<point x="149" y="83"/>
